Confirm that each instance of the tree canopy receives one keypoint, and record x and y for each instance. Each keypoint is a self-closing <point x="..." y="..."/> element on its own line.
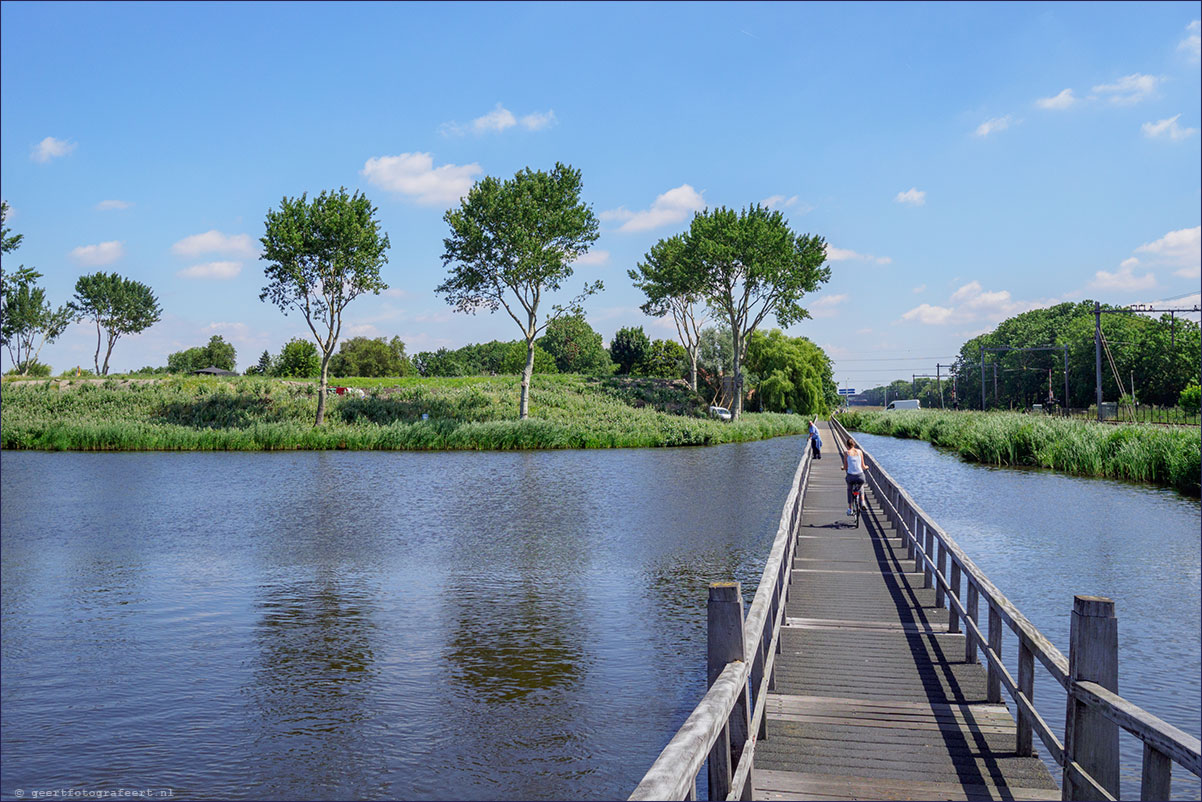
<point x="321" y="255"/>
<point x="670" y="288"/>
<point x="749" y="265"/>
<point x="514" y="241"/>
<point x="629" y="348"/>
<point x="575" y="346"/>
<point x="119" y="306"/>
<point x="793" y="373"/>
<point x="27" y="320"/>
<point x="363" y="356"/>
<point x="217" y="354"/>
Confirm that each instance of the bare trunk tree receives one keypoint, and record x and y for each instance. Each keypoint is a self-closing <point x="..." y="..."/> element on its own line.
<point x="527" y="372"/>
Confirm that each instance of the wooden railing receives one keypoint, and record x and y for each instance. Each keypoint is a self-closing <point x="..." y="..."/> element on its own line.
<point x="722" y="731"/>
<point x="1089" y="753"/>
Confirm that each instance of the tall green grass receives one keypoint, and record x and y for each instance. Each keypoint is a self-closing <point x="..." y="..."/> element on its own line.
<point x="1166" y="455"/>
<point x="466" y="413"/>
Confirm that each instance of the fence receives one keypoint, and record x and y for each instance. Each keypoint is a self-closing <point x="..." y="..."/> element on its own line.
<point x="1089" y="753"/>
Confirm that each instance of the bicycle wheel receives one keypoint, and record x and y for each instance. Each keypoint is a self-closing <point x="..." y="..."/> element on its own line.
<point x="856" y="500"/>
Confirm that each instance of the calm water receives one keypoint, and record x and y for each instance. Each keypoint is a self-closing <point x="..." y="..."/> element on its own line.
<point x="366" y="625"/>
<point x="500" y="626"/>
<point x="1042" y="538"/>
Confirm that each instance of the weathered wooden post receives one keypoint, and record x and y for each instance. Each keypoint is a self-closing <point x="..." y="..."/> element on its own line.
<point x="724" y="645"/>
<point x="970" y="640"/>
<point x="1090" y="739"/>
<point x="993" y="686"/>
<point x="941" y="564"/>
<point x="953" y="621"/>
<point x="1157" y="775"/>
<point x="928" y="548"/>
<point x="1026" y="686"/>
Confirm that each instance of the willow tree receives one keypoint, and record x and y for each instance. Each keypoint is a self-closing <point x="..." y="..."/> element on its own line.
<point x="673" y="289"/>
<point x="748" y="265"/>
<point x="512" y="243"/>
<point x="321" y="255"/>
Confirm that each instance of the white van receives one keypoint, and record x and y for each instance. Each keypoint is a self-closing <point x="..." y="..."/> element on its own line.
<point x="908" y="404"/>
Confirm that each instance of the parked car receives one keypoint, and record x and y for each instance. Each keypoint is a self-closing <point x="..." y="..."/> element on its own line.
<point x="911" y="403"/>
<point x="721" y="413"/>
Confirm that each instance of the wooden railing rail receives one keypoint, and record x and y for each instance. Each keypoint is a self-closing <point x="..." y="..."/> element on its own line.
<point x="722" y="731"/>
<point x="1089" y="753"/>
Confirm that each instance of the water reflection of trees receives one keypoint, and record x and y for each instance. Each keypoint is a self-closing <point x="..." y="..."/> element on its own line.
<point x="313" y="683"/>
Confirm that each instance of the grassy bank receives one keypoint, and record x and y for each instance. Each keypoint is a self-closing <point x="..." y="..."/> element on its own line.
<point x="469" y="413"/>
<point x="1166" y="455"/>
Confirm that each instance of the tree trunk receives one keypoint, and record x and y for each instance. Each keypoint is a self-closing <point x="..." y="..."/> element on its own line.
<point x="524" y="404"/>
<point x="108" y="352"/>
<point x="96" y="358"/>
<point x="736" y="341"/>
<point x="693" y="369"/>
<point x="321" y="392"/>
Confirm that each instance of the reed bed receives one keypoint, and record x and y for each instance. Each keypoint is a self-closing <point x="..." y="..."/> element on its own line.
<point x="257" y="414"/>
<point x="1164" y="455"/>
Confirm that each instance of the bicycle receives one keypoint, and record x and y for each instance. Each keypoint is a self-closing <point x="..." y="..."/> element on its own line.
<point x="856" y="504"/>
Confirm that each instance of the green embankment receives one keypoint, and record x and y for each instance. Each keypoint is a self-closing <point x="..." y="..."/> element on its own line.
<point x="1166" y="455"/>
<point x="470" y="413"/>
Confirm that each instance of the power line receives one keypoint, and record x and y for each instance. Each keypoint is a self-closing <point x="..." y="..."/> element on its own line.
<point x="893" y="359"/>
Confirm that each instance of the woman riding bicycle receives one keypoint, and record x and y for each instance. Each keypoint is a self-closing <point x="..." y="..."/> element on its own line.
<point x="853" y="465"/>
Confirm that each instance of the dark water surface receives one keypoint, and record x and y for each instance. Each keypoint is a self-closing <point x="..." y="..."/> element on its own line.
<point x="1043" y="537"/>
<point x="365" y="625"/>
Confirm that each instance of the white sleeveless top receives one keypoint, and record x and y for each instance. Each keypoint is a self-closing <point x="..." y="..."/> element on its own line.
<point x="854" y="465"/>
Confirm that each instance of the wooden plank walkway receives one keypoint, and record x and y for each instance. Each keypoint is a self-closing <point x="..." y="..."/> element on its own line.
<point x="874" y="699"/>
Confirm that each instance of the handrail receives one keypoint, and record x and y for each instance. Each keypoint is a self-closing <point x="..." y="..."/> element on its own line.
<point x="673" y="775"/>
<point x="931" y="548"/>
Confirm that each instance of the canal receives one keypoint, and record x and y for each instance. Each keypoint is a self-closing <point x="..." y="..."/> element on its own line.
<point x="472" y="625"/>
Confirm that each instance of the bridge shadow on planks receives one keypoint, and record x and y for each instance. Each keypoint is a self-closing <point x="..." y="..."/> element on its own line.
<point x="976" y="761"/>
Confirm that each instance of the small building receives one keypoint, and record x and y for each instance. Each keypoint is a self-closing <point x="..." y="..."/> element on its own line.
<point x="212" y="371"/>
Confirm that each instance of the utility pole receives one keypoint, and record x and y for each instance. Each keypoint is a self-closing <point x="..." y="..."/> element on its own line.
<point x="939" y="384"/>
<point x="1097" y="355"/>
<point x="982" y="378"/>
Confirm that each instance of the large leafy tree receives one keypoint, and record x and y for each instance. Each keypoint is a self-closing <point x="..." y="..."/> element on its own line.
<point x="794" y="374"/>
<point x="576" y="347"/>
<point x="117" y="305"/>
<point x="512" y="243"/>
<point x="321" y="255"/>
<point x="28" y="321"/>
<point x="749" y="265"/>
<point x="363" y="356"/>
<point x="671" y="288"/>
<point x="217" y="354"/>
<point x="298" y="359"/>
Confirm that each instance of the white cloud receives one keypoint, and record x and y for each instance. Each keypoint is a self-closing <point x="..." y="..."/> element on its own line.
<point x="51" y="148"/>
<point x="1179" y="248"/>
<point x="834" y="254"/>
<point x="913" y="196"/>
<point x="216" y="242"/>
<point x="826" y="305"/>
<point x="594" y="258"/>
<point x="994" y="124"/>
<point x="673" y="206"/>
<point x="1061" y="101"/>
<point x="104" y="253"/>
<point x="395" y="292"/>
<point x="1192" y="43"/>
<point x="778" y="200"/>
<point x="919" y="288"/>
<point x="537" y="121"/>
<point x="496" y="120"/>
<point x="414" y="174"/>
<point x="217" y="270"/>
<point x="1129" y="89"/>
<point x="112" y="205"/>
<point x="1168" y="126"/>
<point x="1124" y="278"/>
<point x="972" y="303"/>
<point x="1194" y="272"/>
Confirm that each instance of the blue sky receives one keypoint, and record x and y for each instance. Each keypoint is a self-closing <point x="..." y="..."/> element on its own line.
<point x="964" y="162"/>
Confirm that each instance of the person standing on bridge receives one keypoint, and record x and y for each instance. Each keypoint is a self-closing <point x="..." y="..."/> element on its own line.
<point x="853" y="466"/>
<point x="815" y="439"/>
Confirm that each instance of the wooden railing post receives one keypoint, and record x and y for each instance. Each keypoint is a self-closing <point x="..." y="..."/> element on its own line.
<point x="1026" y="686"/>
<point x="941" y="564"/>
<point x="927" y="549"/>
<point x="1157" y="776"/>
<point x="953" y="621"/>
<point x="970" y="640"/>
<point x="993" y="687"/>
<point x="1090" y="739"/>
<point x="724" y="644"/>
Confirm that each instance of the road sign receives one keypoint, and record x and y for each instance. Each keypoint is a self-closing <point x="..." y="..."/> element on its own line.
<point x="848" y="391"/>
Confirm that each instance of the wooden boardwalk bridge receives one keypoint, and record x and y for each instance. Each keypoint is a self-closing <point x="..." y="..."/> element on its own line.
<point x="863" y="670"/>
